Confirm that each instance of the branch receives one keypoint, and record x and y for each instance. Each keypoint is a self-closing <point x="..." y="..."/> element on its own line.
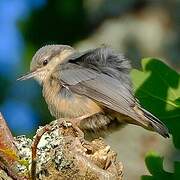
<point x="62" y="154"/>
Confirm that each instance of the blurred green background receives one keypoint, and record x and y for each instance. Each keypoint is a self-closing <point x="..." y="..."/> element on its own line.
<point x="138" y="28"/>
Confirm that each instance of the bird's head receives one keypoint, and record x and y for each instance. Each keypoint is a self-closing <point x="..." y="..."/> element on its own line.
<point x="45" y="60"/>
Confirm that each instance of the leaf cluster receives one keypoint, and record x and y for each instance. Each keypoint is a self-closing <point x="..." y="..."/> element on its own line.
<point x="157" y="86"/>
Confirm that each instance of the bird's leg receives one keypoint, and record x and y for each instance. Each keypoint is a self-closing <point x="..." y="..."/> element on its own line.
<point x="75" y="123"/>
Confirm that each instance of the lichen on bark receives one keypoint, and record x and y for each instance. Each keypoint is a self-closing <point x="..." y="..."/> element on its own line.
<point x="62" y="154"/>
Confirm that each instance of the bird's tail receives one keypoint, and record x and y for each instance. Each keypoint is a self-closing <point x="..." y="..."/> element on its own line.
<point x="153" y="123"/>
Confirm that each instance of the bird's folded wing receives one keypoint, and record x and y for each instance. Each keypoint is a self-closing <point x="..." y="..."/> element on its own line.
<point x="100" y="87"/>
<point x="77" y="75"/>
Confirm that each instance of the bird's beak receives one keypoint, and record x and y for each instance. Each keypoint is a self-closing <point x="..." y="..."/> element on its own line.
<point x="28" y="75"/>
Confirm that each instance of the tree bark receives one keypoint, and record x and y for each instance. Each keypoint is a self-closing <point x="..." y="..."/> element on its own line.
<point x="58" y="152"/>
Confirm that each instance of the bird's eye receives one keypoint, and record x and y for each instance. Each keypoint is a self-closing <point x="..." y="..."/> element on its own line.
<point x="45" y="62"/>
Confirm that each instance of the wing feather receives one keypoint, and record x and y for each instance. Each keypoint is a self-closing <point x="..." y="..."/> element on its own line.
<point x="102" y="75"/>
<point x="77" y="75"/>
<point x="108" y="92"/>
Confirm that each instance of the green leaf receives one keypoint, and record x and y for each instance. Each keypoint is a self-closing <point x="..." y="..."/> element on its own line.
<point x="157" y="87"/>
<point x="154" y="164"/>
<point x="176" y="170"/>
<point x="145" y="177"/>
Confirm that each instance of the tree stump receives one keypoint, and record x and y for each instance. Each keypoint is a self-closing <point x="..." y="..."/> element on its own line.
<point x="61" y="154"/>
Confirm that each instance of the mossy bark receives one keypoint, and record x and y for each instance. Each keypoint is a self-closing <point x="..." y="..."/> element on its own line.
<point x="61" y="153"/>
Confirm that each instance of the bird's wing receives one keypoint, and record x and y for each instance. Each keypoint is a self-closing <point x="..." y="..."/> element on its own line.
<point x="103" y="76"/>
<point x="98" y="86"/>
<point x="108" y="92"/>
<point x="74" y="74"/>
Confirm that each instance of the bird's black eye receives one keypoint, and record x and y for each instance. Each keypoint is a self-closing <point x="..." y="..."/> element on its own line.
<point x="45" y="62"/>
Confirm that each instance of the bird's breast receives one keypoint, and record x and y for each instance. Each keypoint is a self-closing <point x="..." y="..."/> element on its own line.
<point x="63" y="103"/>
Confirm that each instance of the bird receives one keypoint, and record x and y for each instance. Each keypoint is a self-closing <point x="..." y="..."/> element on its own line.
<point x="92" y="88"/>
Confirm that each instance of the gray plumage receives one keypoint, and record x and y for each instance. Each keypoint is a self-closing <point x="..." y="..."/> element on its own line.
<point x="103" y="75"/>
<point x="94" y="82"/>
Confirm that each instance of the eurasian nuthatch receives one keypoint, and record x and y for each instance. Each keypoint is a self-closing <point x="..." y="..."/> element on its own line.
<point x="92" y="88"/>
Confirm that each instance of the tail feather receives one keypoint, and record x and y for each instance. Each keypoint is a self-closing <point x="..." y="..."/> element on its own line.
<point x="155" y="123"/>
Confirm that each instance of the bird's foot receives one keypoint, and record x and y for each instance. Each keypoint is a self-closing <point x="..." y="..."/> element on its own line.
<point x="75" y="124"/>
